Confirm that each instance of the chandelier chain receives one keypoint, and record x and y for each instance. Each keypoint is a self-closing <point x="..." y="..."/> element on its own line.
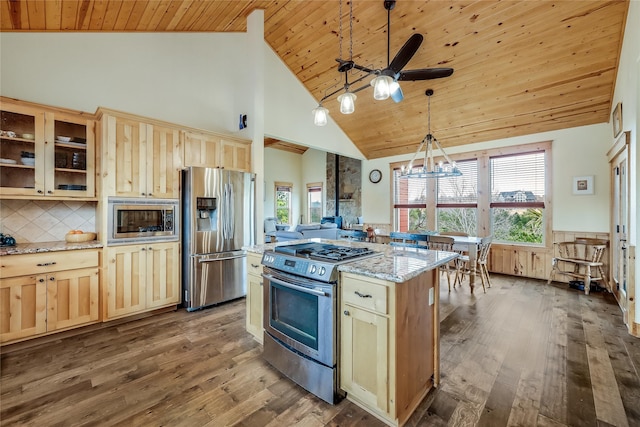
<point x="340" y="30"/>
<point x="350" y="30"/>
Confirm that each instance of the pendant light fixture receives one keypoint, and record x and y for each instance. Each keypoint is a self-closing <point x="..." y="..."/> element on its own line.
<point x="429" y="169"/>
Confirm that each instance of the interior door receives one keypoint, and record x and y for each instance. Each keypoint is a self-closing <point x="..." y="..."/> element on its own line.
<point x="619" y="163"/>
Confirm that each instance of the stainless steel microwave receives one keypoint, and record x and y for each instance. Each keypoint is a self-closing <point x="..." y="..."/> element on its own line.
<point x="134" y="220"/>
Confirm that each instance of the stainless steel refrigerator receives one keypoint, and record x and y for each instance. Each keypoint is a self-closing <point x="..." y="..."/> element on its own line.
<point x="218" y="220"/>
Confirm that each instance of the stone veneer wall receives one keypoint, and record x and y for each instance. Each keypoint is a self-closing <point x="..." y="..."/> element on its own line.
<point x="350" y="191"/>
<point x="35" y="221"/>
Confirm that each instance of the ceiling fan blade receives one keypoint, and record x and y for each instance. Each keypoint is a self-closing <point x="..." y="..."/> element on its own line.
<point x="406" y="52"/>
<point x="425" y="74"/>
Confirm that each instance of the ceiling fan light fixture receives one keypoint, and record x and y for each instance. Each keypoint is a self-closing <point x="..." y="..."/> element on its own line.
<point x="320" y="115"/>
<point x="382" y="87"/>
<point x="347" y="102"/>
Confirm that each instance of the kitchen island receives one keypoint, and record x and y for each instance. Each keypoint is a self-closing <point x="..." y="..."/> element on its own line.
<point x="388" y="325"/>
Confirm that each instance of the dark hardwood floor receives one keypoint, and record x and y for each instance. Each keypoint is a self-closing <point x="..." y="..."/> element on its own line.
<point x="523" y="354"/>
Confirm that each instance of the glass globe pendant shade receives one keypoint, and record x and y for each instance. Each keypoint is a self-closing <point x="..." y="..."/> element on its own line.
<point x="347" y="102"/>
<point x="382" y="87"/>
<point x="320" y="116"/>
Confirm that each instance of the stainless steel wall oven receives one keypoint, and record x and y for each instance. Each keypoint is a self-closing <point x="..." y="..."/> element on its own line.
<point x="133" y="220"/>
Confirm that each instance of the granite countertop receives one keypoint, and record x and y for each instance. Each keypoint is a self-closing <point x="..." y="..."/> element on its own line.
<point x="396" y="264"/>
<point x="33" y="248"/>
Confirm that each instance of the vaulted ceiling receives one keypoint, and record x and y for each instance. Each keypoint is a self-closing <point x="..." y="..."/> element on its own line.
<point x="521" y="67"/>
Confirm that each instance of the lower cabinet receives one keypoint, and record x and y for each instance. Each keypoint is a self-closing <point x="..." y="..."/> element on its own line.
<point x="255" y="296"/>
<point x="388" y="343"/>
<point x="141" y="278"/>
<point x="61" y="292"/>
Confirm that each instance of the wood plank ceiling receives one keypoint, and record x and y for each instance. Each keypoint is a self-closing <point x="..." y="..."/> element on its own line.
<point x="521" y="67"/>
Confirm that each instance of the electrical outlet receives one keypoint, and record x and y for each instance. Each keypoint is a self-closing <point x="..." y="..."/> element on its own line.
<point x="430" y="296"/>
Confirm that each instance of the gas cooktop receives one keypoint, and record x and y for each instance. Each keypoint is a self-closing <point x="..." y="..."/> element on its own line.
<point x="325" y="252"/>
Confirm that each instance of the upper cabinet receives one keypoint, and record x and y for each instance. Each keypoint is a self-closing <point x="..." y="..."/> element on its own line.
<point x="140" y="158"/>
<point x="46" y="152"/>
<point x="208" y="149"/>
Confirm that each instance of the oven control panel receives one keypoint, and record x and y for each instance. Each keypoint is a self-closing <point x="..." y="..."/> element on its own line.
<point x="311" y="269"/>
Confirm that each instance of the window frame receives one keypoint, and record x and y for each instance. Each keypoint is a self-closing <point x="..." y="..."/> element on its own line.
<point x="484" y="189"/>
<point x="288" y="185"/>
<point x="311" y="187"/>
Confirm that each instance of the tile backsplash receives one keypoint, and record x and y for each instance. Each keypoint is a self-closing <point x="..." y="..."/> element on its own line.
<point x="33" y="221"/>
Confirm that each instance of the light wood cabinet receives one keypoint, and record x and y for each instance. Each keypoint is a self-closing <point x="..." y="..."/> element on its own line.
<point x="255" y="296"/>
<point x="141" y="278"/>
<point x="387" y="367"/>
<point x="139" y="158"/>
<point x="208" y="149"/>
<point x="46" y="152"/>
<point x="48" y="292"/>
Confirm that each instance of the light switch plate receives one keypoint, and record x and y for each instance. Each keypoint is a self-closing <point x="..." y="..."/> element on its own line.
<point x="430" y="296"/>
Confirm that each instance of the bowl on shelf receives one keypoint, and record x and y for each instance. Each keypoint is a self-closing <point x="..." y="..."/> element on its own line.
<point x="79" y="238"/>
<point x="28" y="136"/>
<point x="28" y="161"/>
<point x="63" y="138"/>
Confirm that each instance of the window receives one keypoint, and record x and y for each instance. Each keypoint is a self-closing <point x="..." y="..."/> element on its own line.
<point x="314" y="202"/>
<point x="517" y="197"/>
<point x="457" y="200"/>
<point x="502" y="192"/>
<point x="409" y="203"/>
<point x="283" y="202"/>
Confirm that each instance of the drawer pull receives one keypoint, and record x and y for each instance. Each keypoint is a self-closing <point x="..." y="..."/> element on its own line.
<point x="44" y="264"/>
<point x="255" y="265"/>
<point x="363" y="295"/>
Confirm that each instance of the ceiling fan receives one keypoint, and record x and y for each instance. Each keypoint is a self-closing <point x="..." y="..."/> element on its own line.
<point x="386" y="83"/>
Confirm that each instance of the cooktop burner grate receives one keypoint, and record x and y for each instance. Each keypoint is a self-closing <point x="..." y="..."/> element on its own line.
<point x="323" y="251"/>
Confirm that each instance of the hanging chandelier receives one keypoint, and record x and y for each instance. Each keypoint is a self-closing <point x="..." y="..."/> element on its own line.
<point x="429" y="168"/>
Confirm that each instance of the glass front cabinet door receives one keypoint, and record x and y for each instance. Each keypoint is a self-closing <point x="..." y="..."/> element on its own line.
<point x="46" y="153"/>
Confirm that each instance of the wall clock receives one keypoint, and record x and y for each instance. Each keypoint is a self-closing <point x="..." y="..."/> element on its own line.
<point x="375" y="176"/>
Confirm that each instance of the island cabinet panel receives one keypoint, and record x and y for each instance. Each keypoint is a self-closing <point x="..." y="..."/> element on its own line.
<point x="139" y="158"/>
<point x="389" y="343"/>
<point x="255" y="296"/>
<point x="141" y="278"/>
<point x="48" y="292"/>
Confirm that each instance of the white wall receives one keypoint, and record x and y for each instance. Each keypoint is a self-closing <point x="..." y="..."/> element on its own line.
<point x="194" y="79"/>
<point x="628" y="92"/>
<point x="576" y="152"/>
<point x="283" y="166"/>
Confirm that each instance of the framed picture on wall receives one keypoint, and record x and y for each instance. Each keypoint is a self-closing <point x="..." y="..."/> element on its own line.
<point x="583" y="185"/>
<point x="616" y="119"/>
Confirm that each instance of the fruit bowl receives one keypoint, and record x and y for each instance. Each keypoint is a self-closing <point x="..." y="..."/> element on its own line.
<point x="79" y="238"/>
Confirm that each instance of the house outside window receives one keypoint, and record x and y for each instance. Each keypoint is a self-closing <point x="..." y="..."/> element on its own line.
<point x="518" y="197"/>
<point x="314" y="202"/>
<point x="283" y="202"/>
<point x="502" y="192"/>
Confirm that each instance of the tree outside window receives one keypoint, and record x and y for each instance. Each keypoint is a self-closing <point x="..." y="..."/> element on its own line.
<point x="283" y="202"/>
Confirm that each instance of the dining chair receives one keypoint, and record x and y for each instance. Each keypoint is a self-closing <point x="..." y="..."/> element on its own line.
<point x="483" y="257"/>
<point x="408" y="240"/>
<point x="444" y="243"/>
<point x="357" y="235"/>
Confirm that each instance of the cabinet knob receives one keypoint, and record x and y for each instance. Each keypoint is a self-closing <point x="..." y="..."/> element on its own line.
<point x="52" y="278"/>
<point x="50" y="192"/>
<point x="150" y="248"/>
<point x="144" y="249"/>
<point x="142" y="194"/>
<point x="40" y="191"/>
<point x="149" y="194"/>
<point x="41" y="280"/>
<point x="346" y="313"/>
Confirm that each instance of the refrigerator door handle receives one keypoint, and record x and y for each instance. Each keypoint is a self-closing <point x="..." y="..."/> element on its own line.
<point x="203" y="260"/>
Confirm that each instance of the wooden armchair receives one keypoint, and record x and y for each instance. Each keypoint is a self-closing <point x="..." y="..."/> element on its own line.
<point x="581" y="259"/>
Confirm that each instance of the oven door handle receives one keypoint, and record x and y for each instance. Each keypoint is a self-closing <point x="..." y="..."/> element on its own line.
<point x="295" y="287"/>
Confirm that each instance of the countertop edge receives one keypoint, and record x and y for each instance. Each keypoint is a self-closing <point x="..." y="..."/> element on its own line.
<point x="36" y="248"/>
